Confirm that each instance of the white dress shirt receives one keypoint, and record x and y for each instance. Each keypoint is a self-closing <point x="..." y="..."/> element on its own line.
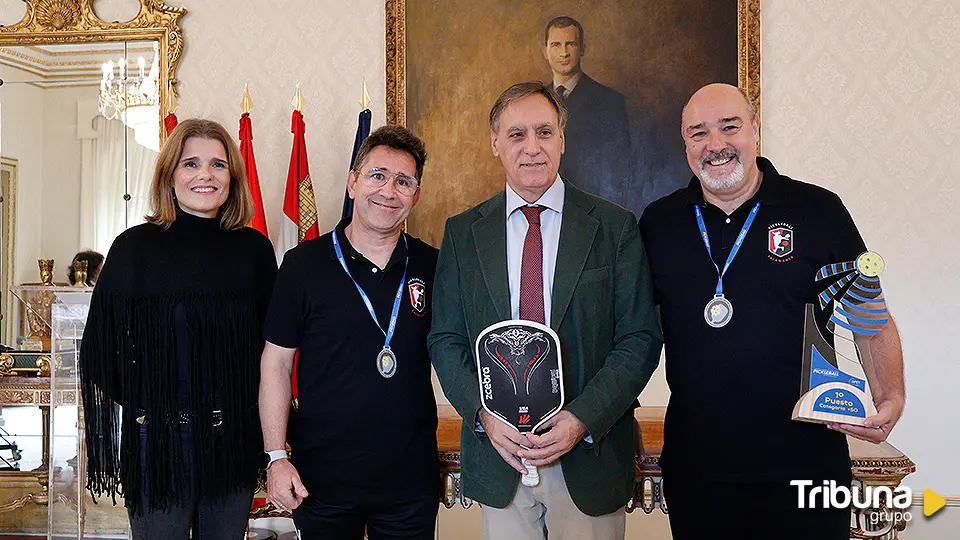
<point x="569" y="85"/>
<point x="517" y="226"/>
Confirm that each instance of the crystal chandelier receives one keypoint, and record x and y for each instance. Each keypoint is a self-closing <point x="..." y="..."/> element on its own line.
<point x="134" y="98"/>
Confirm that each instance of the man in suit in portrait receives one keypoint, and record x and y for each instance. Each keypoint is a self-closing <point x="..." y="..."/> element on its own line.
<point x="580" y="264"/>
<point x="598" y="156"/>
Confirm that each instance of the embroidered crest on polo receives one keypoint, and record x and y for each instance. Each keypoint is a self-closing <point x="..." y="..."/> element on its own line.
<point x="417" y="291"/>
<point x="780" y="241"/>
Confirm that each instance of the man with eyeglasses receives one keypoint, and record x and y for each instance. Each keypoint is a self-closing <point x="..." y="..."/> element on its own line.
<point x="355" y="302"/>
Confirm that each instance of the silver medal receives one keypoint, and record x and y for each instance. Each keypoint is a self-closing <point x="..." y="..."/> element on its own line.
<point x="718" y="312"/>
<point x="386" y="363"/>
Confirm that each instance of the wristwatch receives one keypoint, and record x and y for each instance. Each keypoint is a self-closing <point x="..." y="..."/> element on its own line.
<point x="267" y="458"/>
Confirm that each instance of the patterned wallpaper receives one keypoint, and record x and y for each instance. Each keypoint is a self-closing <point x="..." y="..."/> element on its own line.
<point x="328" y="46"/>
<point x="863" y="97"/>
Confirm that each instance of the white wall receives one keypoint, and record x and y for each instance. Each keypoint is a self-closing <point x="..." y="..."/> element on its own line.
<point x="862" y="97"/>
<point x="60" y="228"/>
<point x="22" y="108"/>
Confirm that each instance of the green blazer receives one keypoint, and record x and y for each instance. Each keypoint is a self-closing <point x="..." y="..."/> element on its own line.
<point x="602" y="309"/>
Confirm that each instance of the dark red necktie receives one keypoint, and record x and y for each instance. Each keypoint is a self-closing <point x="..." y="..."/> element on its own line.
<point x="531" y="268"/>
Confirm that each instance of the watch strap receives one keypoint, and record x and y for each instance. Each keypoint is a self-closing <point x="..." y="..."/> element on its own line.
<point x="275" y="455"/>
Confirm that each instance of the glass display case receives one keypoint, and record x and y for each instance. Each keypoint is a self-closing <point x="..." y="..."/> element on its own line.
<point x="56" y="318"/>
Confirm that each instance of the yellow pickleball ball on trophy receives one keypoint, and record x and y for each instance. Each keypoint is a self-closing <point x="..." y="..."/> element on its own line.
<point x="870" y="263"/>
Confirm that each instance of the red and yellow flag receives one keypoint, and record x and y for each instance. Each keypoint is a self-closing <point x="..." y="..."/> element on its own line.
<point x="299" y="222"/>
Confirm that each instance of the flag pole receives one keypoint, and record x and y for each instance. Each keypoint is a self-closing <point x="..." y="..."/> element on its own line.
<point x="298" y="101"/>
<point x="364" y="96"/>
<point x="246" y="104"/>
<point x="363" y="129"/>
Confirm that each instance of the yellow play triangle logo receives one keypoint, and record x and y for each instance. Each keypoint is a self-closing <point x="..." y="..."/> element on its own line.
<point x="932" y="502"/>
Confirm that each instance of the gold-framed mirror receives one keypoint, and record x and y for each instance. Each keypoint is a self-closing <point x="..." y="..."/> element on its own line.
<point x="72" y="22"/>
<point x="8" y="241"/>
<point x="65" y="100"/>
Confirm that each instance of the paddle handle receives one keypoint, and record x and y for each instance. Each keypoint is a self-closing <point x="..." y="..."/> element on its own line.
<point x="532" y="478"/>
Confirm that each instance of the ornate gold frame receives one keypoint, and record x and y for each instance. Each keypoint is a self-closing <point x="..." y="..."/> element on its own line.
<point x="748" y="55"/>
<point x="74" y="21"/>
<point x="8" y="243"/>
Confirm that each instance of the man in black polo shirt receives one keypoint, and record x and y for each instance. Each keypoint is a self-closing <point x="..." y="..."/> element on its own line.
<point x="356" y="303"/>
<point x="734" y="334"/>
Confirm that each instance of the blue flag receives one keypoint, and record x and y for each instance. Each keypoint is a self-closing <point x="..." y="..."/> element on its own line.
<point x="363" y="129"/>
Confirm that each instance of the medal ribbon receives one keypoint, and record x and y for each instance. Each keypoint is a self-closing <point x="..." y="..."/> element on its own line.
<point x="736" y="245"/>
<point x="388" y="334"/>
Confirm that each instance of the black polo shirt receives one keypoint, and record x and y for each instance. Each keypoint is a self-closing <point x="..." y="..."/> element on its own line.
<point x="733" y="389"/>
<point x="358" y="436"/>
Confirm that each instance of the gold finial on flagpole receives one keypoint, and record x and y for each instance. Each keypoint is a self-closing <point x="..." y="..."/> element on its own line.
<point x="171" y="99"/>
<point x="364" y="96"/>
<point x="298" y="101"/>
<point x="246" y="104"/>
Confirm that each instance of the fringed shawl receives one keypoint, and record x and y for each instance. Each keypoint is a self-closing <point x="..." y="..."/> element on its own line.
<point x="222" y="281"/>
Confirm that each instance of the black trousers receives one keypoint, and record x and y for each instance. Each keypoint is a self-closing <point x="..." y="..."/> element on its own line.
<point x="208" y="519"/>
<point x="411" y="520"/>
<point x="750" y="511"/>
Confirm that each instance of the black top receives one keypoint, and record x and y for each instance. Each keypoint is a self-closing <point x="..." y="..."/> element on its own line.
<point x="175" y="327"/>
<point x="357" y="435"/>
<point x="733" y="389"/>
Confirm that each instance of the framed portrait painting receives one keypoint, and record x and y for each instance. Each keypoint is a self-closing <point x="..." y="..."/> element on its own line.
<point x="623" y="69"/>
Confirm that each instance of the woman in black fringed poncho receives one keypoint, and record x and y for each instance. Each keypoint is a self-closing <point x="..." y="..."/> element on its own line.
<point x="174" y="338"/>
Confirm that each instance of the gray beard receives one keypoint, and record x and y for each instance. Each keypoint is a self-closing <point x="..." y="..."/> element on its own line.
<point x="730" y="181"/>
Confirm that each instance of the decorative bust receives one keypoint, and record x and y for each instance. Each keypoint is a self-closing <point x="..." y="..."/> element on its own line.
<point x="93" y="261"/>
<point x="46" y="271"/>
<point x="79" y="273"/>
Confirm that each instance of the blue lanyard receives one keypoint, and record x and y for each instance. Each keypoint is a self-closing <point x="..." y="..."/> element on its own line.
<point x="736" y="245"/>
<point x="366" y="301"/>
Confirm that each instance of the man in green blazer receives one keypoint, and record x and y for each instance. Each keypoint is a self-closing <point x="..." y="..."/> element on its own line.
<point x="585" y="275"/>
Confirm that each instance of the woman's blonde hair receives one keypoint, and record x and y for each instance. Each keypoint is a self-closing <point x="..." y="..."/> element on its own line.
<point x="235" y="213"/>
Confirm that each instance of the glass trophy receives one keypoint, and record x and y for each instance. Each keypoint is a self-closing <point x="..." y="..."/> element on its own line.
<point x="834" y="385"/>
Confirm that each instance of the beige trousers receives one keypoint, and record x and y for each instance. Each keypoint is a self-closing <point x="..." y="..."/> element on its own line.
<point x="547" y="511"/>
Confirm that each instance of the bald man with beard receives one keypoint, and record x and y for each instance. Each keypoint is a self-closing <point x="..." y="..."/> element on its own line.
<point x="734" y="341"/>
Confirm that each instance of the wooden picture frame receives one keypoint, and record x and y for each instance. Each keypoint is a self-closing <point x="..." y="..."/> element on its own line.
<point x="446" y="63"/>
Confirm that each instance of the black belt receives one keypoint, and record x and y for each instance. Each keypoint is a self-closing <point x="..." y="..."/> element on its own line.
<point x="184" y="417"/>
